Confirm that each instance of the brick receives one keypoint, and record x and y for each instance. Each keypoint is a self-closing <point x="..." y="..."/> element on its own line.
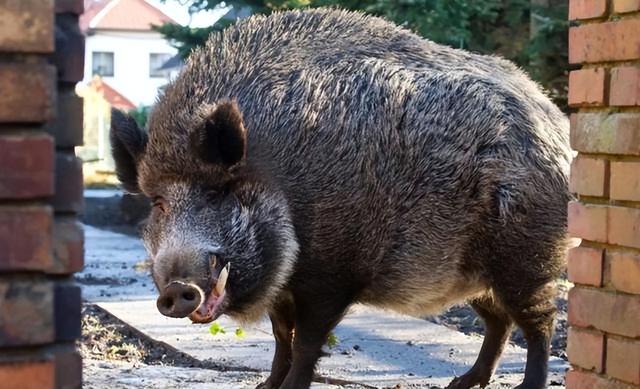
<point x="611" y="41"/>
<point x="584" y="265"/>
<point x="26" y="313"/>
<point x="27" y="26"/>
<point x="68" y="246"/>
<point x="67" y="302"/>
<point x="25" y="238"/>
<point x="625" y="181"/>
<point x="586" y="380"/>
<point x="625" y="86"/>
<point x="623" y="359"/>
<point x="587" y="9"/>
<point x="587" y="221"/>
<point x="606" y="311"/>
<point x="586" y="349"/>
<point x="69" y="6"/>
<point x="587" y="87"/>
<point x="69" y="185"/>
<point x="26" y="166"/>
<point x="588" y="176"/>
<point x="66" y="128"/>
<point x="28" y="92"/>
<point x="625" y="271"/>
<point x="624" y="226"/>
<point x="68" y="369"/>
<point x="623" y="6"/>
<point x="606" y="133"/>
<point x="69" y="54"/>
<point x="28" y="375"/>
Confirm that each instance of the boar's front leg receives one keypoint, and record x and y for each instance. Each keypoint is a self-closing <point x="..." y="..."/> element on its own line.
<point x="282" y="321"/>
<point x="314" y="321"/>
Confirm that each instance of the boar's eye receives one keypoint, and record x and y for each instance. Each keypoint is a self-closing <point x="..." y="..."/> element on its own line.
<point x="160" y="204"/>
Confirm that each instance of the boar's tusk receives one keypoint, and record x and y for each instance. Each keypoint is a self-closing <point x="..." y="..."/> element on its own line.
<point x="222" y="279"/>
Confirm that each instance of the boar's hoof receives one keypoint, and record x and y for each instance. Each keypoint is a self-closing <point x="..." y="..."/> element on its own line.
<point x="267" y="385"/>
<point x="469" y="380"/>
<point x="179" y="299"/>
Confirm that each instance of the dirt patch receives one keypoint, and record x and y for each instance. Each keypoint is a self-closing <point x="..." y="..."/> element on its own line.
<point x="105" y="337"/>
<point x="464" y="319"/>
<point x="88" y="279"/>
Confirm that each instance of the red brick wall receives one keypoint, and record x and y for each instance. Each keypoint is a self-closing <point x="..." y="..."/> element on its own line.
<point x="604" y="306"/>
<point x="41" y="242"/>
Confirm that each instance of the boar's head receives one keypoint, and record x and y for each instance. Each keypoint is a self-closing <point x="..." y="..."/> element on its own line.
<point x="219" y="234"/>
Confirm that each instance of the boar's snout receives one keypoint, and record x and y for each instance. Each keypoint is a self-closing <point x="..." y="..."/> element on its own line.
<point x="179" y="299"/>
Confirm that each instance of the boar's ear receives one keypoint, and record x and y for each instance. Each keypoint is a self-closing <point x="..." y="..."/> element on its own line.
<point x="128" y="142"/>
<point x="221" y="138"/>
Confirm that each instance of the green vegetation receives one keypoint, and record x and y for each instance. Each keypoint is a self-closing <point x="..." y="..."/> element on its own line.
<point x="140" y="115"/>
<point x="332" y="340"/>
<point x="216" y="329"/>
<point x="532" y="33"/>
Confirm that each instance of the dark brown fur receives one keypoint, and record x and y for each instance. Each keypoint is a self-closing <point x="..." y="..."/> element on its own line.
<point x="378" y="168"/>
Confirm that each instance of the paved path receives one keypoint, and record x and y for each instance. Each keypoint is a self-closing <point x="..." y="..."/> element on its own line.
<point x="380" y="349"/>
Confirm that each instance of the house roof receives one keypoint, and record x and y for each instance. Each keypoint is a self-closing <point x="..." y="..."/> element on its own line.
<point x="113" y="97"/>
<point x="130" y="15"/>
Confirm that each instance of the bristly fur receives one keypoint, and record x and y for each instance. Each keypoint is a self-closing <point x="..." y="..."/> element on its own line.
<point x="127" y="146"/>
<point x="397" y="172"/>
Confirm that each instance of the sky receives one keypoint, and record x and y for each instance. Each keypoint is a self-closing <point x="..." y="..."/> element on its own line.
<point x="178" y="10"/>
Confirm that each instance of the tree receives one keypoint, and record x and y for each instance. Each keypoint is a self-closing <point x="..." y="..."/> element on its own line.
<point x="186" y="39"/>
<point x="140" y="115"/>
<point x="532" y="33"/>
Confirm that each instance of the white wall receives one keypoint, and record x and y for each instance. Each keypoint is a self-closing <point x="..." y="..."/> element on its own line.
<point x="131" y="62"/>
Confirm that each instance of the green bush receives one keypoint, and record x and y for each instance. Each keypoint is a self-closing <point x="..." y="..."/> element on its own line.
<point x="140" y="115"/>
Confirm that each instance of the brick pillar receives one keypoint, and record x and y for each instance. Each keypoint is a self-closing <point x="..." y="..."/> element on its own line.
<point x="604" y="306"/>
<point x="41" y="242"/>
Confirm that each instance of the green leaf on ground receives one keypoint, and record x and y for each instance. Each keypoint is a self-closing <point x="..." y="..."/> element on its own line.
<point x="216" y="329"/>
<point x="332" y="340"/>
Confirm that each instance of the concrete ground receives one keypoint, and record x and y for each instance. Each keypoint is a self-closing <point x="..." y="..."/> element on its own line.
<point x="374" y="348"/>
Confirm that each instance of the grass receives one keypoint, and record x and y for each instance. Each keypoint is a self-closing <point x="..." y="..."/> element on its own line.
<point x="97" y="179"/>
<point x="104" y="341"/>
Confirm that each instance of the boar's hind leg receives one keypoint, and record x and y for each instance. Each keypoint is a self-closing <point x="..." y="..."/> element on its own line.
<point x="312" y="326"/>
<point x="282" y="320"/>
<point x="497" y="330"/>
<point x="534" y="312"/>
<point x="536" y="320"/>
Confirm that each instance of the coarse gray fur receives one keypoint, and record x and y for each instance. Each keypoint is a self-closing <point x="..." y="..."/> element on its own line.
<point x="393" y="171"/>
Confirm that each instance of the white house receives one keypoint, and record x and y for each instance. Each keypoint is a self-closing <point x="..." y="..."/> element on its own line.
<point x="123" y="50"/>
<point x="123" y="61"/>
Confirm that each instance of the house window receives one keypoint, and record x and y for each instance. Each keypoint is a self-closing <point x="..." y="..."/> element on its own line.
<point x="102" y="63"/>
<point x="156" y="60"/>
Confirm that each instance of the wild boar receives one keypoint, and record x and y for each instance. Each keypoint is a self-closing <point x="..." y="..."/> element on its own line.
<point x="309" y="160"/>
